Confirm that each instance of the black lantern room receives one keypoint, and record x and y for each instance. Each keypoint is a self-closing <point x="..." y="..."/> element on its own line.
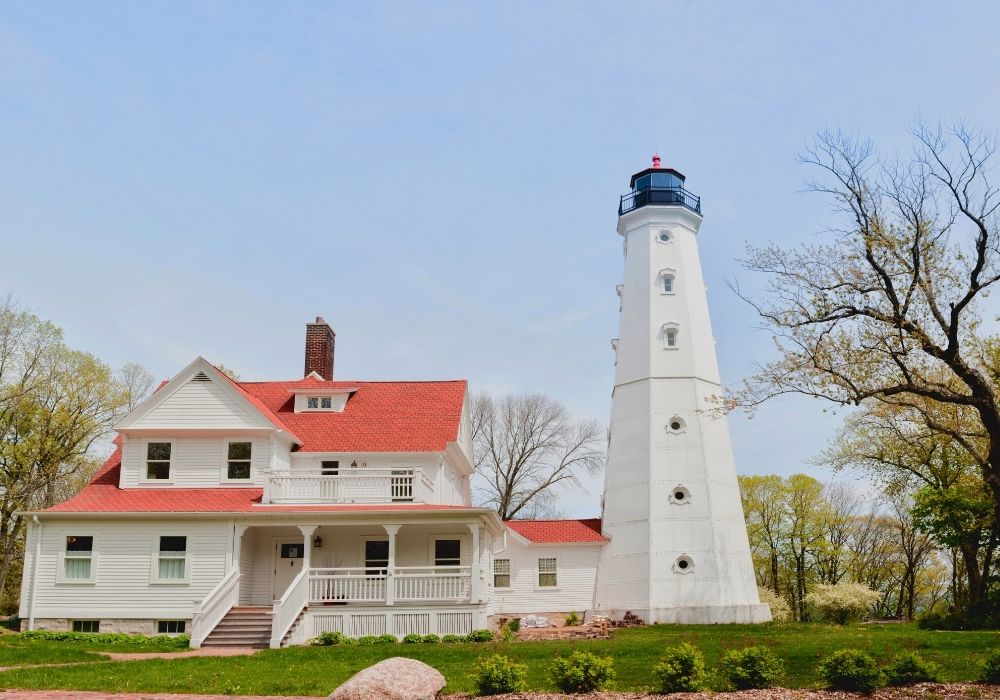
<point x="660" y="187"/>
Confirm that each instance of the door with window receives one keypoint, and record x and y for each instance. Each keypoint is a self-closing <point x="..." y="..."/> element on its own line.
<point x="287" y="565"/>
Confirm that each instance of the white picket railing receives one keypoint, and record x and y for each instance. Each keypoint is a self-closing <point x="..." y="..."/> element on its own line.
<point x="214" y="607"/>
<point x="363" y="485"/>
<point x="451" y="583"/>
<point x="287" y="609"/>
<point x="353" y="585"/>
<point x="410" y="584"/>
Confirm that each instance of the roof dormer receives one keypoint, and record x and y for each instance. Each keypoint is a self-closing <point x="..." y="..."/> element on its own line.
<point x="313" y="394"/>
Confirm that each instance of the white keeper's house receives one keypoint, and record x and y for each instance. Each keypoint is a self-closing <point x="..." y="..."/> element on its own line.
<point x="265" y="513"/>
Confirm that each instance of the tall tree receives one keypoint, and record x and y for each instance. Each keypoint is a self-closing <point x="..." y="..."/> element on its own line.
<point x="888" y="309"/>
<point x="55" y="404"/>
<point x="525" y="447"/>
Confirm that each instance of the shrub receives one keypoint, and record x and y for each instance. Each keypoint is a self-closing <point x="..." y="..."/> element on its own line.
<point x="753" y="667"/>
<point x="331" y="639"/>
<point x="842" y="602"/>
<point x="413" y="639"/>
<point x="681" y="670"/>
<point x="582" y="672"/>
<point x="368" y="639"/>
<point x="781" y="611"/>
<point x="431" y="639"/>
<point x="910" y="668"/>
<point x="452" y="638"/>
<point x="572" y="620"/>
<point x="180" y="641"/>
<point x="386" y="639"/>
<point x="850" y="670"/>
<point x="514" y="624"/>
<point x="497" y="674"/>
<point x="991" y="668"/>
<point x="481" y="636"/>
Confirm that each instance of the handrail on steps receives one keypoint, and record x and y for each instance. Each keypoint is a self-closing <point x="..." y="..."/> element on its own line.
<point x="213" y="607"/>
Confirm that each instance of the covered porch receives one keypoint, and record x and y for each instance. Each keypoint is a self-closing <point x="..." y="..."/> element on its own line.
<point x="388" y="564"/>
<point x="355" y="575"/>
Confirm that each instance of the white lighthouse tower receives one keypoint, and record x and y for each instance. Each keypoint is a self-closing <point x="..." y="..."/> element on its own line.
<point x="679" y="550"/>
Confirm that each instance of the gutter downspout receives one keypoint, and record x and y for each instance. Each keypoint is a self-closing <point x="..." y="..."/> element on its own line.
<point x="34" y="571"/>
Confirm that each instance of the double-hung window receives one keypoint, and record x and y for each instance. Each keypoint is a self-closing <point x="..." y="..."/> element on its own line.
<point x="158" y="460"/>
<point x="376" y="557"/>
<point x="171" y="559"/>
<point x="238" y="460"/>
<point x="501" y="573"/>
<point x="547" y="573"/>
<point x="448" y="553"/>
<point x="78" y="560"/>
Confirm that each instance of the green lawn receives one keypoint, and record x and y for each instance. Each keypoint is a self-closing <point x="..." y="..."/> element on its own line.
<point x="15" y="650"/>
<point x="317" y="670"/>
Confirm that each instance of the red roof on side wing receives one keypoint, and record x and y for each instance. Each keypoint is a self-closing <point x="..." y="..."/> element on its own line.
<point x="558" y="531"/>
<point x="378" y="417"/>
<point x="102" y="495"/>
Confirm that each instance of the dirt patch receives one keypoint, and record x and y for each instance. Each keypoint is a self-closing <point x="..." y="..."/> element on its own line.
<point x="923" y="691"/>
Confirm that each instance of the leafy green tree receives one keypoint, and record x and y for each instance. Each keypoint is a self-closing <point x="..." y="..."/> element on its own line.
<point x="56" y="405"/>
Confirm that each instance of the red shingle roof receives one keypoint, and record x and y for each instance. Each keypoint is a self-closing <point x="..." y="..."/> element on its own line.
<point x="378" y="417"/>
<point x="102" y="495"/>
<point x="556" y="531"/>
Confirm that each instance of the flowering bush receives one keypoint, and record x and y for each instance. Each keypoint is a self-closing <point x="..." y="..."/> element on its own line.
<point x="841" y="602"/>
<point x="781" y="611"/>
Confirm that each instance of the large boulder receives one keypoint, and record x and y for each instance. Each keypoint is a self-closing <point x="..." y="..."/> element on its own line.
<point x="397" y="678"/>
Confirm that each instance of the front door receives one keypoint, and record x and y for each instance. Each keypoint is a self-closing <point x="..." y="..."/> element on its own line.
<point x="287" y="565"/>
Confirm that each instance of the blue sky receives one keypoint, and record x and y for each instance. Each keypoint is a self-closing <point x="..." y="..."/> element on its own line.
<point x="438" y="180"/>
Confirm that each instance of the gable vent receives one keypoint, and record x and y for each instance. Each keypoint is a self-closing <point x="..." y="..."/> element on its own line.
<point x="200" y="377"/>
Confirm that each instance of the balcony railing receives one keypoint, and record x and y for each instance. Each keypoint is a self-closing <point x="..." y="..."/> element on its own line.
<point x="364" y="485"/>
<point x="408" y="584"/>
<point x="659" y="195"/>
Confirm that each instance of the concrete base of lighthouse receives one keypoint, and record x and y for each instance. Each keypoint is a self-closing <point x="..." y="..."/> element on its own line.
<point x="744" y="614"/>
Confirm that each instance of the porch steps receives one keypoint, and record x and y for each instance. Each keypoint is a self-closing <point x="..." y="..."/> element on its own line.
<point x="243" y="626"/>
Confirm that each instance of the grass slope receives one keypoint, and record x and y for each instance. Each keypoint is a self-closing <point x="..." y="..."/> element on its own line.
<point x="317" y="670"/>
<point x="18" y="651"/>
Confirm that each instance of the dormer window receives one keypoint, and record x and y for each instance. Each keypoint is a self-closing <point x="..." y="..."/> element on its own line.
<point x="321" y="398"/>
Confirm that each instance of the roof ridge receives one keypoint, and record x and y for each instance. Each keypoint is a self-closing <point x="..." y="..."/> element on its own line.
<point x="361" y="381"/>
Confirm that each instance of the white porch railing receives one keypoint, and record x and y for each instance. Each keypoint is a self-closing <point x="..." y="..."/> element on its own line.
<point x="420" y="583"/>
<point x="363" y="485"/>
<point x="347" y="585"/>
<point x="287" y="609"/>
<point x="410" y="584"/>
<point x="214" y="607"/>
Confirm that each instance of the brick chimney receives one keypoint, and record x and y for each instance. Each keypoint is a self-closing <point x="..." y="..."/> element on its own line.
<point x="320" y="339"/>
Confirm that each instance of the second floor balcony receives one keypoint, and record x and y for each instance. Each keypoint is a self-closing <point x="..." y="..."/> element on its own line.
<point x="406" y="485"/>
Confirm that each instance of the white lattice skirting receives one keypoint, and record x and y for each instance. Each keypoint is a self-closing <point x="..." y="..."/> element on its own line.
<point x="361" y="622"/>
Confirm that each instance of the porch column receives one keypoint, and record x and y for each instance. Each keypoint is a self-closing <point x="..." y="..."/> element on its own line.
<point x="238" y="532"/>
<point x="390" y="579"/>
<point x="476" y="557"/>
<point x="307" y="546"/>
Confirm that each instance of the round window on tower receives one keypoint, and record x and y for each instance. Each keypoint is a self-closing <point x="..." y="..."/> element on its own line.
<point x="683" y="565"/>
<point x="676" y="425"/>
<point x="679" y="495"/>
<point x="664" y="237"/>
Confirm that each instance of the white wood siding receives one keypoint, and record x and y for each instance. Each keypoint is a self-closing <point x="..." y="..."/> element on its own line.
<point x="196" y="462"/>
<point x="123" y="562"/>
<point x="576" y="578"/>
<point x="201" y="404"/>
